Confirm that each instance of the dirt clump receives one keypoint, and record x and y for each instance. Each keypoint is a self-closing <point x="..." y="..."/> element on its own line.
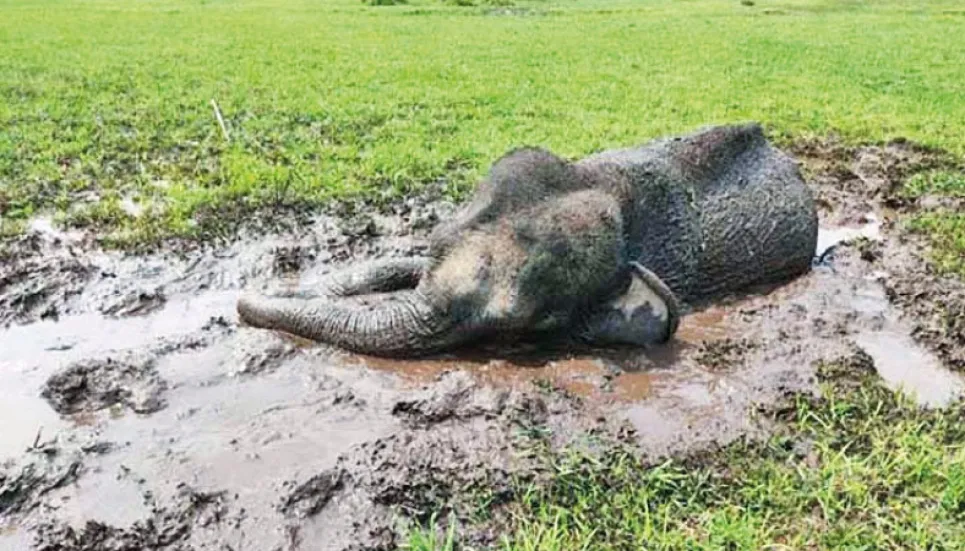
<point x="24" y="482"/>
<point x="139" y="302"/>
<point x="39" y="272"/>
<point x="260" y="357"/>
<point x="95" y="384"/>
<point x="167" y="527"/>
<point x="455" y="397"/>
<point x="311" y="496"/>
<point x="292" y="258"/>
<point x="724" y="353"/>
<point x="853" y="367"/>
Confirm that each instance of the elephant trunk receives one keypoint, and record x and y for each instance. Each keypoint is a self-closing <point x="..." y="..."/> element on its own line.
<point x="392" y="324"/>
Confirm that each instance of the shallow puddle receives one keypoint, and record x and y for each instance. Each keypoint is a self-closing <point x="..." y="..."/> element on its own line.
<point x="828" y="237"/>
<point x="79" y="336"/>
<point x="25" y="419"/>
<point x="622" y="375"/>
<point x="904" y="364"/>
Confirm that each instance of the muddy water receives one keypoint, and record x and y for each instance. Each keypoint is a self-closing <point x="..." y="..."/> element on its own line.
<point x="828" y="237"/>
<point x="904" y="364"/>
<point x="623" y="376"/>
<point x="30" y="354"/>
<point x="254" y="414"/>
<point x="246" y="435"/>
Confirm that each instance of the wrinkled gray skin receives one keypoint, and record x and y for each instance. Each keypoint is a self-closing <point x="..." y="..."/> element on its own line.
<point x="603" y="249"/>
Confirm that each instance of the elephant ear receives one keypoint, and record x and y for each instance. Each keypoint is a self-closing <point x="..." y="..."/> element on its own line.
<point x="645" y="313"/>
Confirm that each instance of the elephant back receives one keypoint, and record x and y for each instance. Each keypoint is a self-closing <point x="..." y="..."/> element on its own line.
<point x="717" y="211"/>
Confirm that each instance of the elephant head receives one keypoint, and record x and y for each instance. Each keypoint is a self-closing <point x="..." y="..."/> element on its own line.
<point x="539" y="250"/>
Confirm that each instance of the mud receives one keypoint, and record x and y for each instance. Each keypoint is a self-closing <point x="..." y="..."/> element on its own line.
<point x="852" y="182"/>
<point x="166" y="528"/>
<point x="137" y="413"/>
<point x="21" y="486"/>
<point x="43" y="271"/>
<point x="93" y="385"/>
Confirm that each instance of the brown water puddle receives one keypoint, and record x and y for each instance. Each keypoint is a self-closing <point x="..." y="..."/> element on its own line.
<point x="623" y="376"/>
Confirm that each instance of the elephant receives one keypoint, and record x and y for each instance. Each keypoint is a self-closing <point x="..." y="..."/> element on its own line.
<point x="605" y="250"/>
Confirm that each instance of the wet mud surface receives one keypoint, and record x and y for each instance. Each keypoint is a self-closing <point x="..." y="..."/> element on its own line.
<point x="137" y="413"/>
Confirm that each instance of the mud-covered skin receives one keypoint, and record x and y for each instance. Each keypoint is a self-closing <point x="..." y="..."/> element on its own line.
<point x="714" y="212"/>
<point x="603" y="248"/>
<point x="291" y="445"/>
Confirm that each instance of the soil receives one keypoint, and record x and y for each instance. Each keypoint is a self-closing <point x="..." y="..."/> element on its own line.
<point x="138" y="414"/>
<point x="92" y="385"/>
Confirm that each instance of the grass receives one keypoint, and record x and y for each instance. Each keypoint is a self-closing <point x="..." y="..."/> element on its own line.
<point x="425" y="539"/>
<point x="938" y="182"/>
<point x="859" y="467"/>
<point x="946" y="231"/>
<point x="944" y="227"/>
<point x="106" y="119"/>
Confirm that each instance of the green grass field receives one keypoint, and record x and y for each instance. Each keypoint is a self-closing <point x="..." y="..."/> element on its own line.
<point x="107" y="123"/>
<point x="106" y="118"/>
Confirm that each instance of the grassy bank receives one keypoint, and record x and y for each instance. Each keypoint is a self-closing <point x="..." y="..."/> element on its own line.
<point x="106" y="118"/>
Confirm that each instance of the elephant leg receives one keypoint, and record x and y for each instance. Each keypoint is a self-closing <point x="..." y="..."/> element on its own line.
<point x="646" y="313"/>
<point x="375" y="276"/>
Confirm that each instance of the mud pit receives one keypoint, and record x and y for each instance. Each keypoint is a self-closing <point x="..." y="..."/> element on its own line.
<point x="137" y="413"/>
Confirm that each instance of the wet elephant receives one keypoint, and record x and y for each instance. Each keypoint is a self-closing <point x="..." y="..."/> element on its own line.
<point x="604" y="249"/>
